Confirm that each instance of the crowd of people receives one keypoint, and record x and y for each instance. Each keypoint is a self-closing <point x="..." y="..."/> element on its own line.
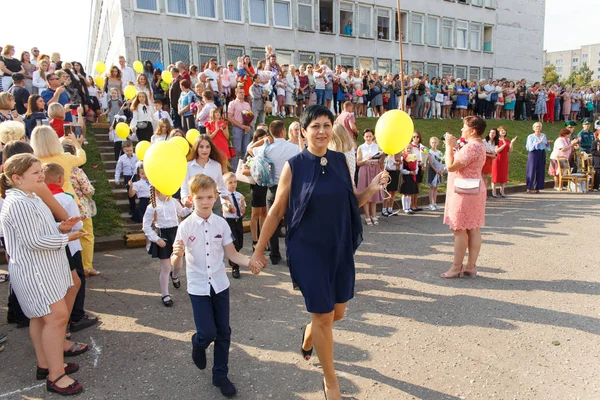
<point x="316" y="176"/>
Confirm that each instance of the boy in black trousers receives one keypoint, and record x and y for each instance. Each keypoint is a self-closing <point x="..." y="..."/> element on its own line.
<point x="233" y="212"/>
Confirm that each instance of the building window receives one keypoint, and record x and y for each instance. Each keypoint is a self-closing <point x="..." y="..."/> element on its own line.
<point x="576" y="60"/>
<point x="487" y="39"/>
<point x="305" y="15"/>
<point x="559" y="69"/>
<point x="150" y="49"/>
<point x="417" y="67"/>
<point x="366" y="63"/>
<point x="177" y="7"/>
<point x="448" y="33"/>
<point x="256" y="55"/>
<point x="462" y="29"/>
<point x="206" y="9"/>
<point x="347" y="61"/>
<point x="560" y="62"/>
<point x="585" y="56"/>
<point x="433" y="26"/>
<point x="232" y="10"/>
<point x="328" y="58"/>
<point x="475" y="37"/>
<point x="281" y="14"/>
<point x="461" y="72"/>
<point x="447" y="70"/>
<point x="432" y="70"/>
<point x="364" y="21"/>
<point x="347" y="16"/>
<point x="547" y="62"/>
<point x="258" y="12"/>
<point x="401" y="27"/>
<point x="180" y="51"/>
<point x="384" y="66"/>
<point x="148" y="5"/>
<point x="490" y="3"/>
<point x="474" y="74"/>
<point x="284" y="57"/>
<point x="487" y="74"/>
<point x="477" y="2"/>
<point x="417" y="29"/>
<point x="326" y="16"/>
<point x="206" y="51"/>
<point x="306" y="58"/>
<point x="383" y="24"/>
<point x="232" y="53"/>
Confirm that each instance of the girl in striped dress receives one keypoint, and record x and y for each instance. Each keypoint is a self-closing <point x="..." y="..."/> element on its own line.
<point x="38" y="267"/>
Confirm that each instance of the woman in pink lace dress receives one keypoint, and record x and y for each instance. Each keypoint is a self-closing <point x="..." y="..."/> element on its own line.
<point x="465" y="212"/>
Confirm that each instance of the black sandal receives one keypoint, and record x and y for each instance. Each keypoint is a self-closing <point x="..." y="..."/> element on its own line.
<point x="176" y="281"/>
<point x="305" y="353"/>
<point x="167" y="301"/>
<point x="76" y="349"/>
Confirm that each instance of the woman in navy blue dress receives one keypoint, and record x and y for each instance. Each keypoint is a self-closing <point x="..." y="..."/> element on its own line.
<point x="317" y="196"/>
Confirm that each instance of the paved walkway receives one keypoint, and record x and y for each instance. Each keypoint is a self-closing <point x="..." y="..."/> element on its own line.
<point x="527" y="328"/>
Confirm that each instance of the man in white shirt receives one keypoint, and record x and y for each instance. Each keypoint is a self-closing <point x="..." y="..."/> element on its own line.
<point x="34" y="55"/>
<point x="212" y="76"/>
<point x="279" y="152"/>
<point x="489" y="88"/>
<point x="127" y="73"/>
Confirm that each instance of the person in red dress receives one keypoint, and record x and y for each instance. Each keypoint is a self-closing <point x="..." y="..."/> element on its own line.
<point x="216" y="128"/>
<point x="491" y="143"/>
<point x="500" y="164"/>
<point x="549" y="117"/>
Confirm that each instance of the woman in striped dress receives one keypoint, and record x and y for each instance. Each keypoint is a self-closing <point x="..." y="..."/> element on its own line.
<point x="38" y="267"/>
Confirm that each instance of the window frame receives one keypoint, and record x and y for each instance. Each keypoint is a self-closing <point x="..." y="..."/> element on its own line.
<point x="200" y="55"/>
<point x="216" y="18"/>
<point x="307" y="53"/>
<point x="190" y="52"/>
<point x="471" y="69"/>
<point x="388" y="64"/>
<point x="266" y="3"/>
<point x="289" y="3"/>
<point x="491" y="73"/>
<point x="422" y="42"/>
<point x="234" y="58"/>
<point x="438" y="19"/>
<point x="187" y="9"/>
<point x="136" y="8"/>
<point x="437" y="67"/>
<point x="370" y="8"/>
<point x="369" y="59"/>
<point x="232" y="21"/>
<point x="481" y="3"/>
<point x="479" y="41"/>
<point x="465" y="76"/>
<point x="442" y="75"/>
<point x="452" y="27"/>
<point x="140" y="49"/>
<point x="466" y="36"/>
<point x="312" y="15"/>
<point x="345" y="56"/>
<point x="285" y="53"/>
<point x="340" y="22"/>
<point x="389" y="17"/>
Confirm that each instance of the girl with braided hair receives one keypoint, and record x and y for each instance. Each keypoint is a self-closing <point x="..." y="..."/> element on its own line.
<point x="160" y="227"/>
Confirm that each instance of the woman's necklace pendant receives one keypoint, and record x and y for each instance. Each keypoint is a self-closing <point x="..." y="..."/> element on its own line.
<point x="323" y="165"/>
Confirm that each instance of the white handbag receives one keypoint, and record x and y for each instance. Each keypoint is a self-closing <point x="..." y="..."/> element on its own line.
<point x="239" y="174"/>
<point x="467" y="185"/>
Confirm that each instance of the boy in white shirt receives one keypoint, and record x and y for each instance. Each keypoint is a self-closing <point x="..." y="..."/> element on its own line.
<point x="202" y="237"/>
<point x="127" y="165"/>
<point x="234" y="209"/>
<point x="160" y="113"/>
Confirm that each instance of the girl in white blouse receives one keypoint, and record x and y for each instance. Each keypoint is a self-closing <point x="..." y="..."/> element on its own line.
<point x="143" y="120"/>
<point x="39" y="80"/>
<point x="370" y="160"/>
<point x="160" y="227"/>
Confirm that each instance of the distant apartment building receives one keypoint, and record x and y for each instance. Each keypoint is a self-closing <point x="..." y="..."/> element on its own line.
<point x="568" y="61"/>
<point x="470" y="39"/>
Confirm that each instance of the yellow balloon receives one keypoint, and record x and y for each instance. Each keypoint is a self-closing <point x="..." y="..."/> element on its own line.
<point x="394" y="131"/>
<point x="182" y="143"/>
<point x="99" y="81"/>
<point x="100" y="67"/>
<point x="122" y="130"/>
<point x="192" y="135"/>
<point x="167" y="77"/>
<point x="141" y="148"/>
<point x="138" y="67"/>
<point x="129" y="92"/>
<point x="165" y="167"/>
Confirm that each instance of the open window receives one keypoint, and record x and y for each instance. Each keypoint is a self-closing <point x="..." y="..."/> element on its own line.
<point x="401" y="26"/>
<point x="326" y="16"/>
<point x="487" y="39"/>
<point x="383" y="24"/>
<point x="347" y="19"/>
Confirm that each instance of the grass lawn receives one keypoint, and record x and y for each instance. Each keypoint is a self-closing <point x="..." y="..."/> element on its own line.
<point x="107" y="221"/>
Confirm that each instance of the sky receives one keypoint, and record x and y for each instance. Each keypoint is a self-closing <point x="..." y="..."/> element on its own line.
<point x="565" y="27"/>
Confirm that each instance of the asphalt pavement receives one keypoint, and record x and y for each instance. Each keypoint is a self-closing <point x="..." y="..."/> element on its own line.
<point x="527" y="327"/>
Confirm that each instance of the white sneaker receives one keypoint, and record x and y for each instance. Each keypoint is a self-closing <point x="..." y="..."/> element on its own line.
<point x="431" y="207"/>
<point x="437" y="208"/>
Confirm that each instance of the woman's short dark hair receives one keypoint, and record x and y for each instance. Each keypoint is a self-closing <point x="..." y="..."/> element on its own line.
<point x="15" y="147"/>
<point x="476" y="123"/>
<point x="185" y="84"/>
<point x="259" y="133"/>
<point x="564" y="132"/>
<point x="313" y="112"/>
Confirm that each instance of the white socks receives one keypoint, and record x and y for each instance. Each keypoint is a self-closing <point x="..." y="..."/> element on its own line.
<point x="165" y="270"/>
<point x="406" y="203"/>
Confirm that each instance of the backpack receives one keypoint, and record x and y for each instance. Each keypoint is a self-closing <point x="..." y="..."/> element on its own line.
<point x="262" y="169"/>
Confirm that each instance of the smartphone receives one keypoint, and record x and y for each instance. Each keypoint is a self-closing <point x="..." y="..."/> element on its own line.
<point x="40" y="122"/>
<point x="74" y="106"/>
<point x="377" y="155"/>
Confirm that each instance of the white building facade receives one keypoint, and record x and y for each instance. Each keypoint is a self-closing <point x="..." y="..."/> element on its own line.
<point x="567" y="61"/>
<point x="470" y="39"/>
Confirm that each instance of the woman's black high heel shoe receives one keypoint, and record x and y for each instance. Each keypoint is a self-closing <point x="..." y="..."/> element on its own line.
<point x="305" y="353"/>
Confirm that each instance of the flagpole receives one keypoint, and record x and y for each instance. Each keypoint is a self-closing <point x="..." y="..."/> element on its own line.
<point x="401" y="61"/>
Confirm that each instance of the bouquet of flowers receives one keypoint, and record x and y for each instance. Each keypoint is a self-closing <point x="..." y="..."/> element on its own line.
<point x="411" y="158"/>
<point x="247" y="117"/>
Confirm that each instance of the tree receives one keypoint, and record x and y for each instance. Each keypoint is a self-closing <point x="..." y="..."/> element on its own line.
<point x="581" y="77"/>
<point x="550" y="75"/>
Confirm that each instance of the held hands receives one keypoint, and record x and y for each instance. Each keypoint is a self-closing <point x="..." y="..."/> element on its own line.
<point x="178" y="248"/>
<point x="257" y="262"/>
<point x="68" y="224"/>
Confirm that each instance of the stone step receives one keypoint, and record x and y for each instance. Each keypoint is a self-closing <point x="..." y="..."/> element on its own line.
<point x="120" y="193"/>
<point x="110" y="164"/>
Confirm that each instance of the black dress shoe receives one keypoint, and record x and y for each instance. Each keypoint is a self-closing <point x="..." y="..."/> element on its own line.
<point x="23" y="323"/>
<point x="227" y="388"/>
<point x="235" y="272"/>
<point x="85" y="322"/>
<point x="198" y="354"/>
<point x="275" y="260"/>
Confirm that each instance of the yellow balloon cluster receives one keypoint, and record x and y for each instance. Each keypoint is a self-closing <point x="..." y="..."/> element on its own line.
<point x="167" y="77"/>
<point x="141" y="148"/>
<point x="182" y="143"/>
<point x="100" y="67"/>
<point x="138" y="67"/>
<point x="129" y="92"/>
<point x="99" y="81"/>
<point x="122" y="130"/>
<point x="192" y="135"/>
<point x="394" y="131"/>
<point x="165" y="166"/>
